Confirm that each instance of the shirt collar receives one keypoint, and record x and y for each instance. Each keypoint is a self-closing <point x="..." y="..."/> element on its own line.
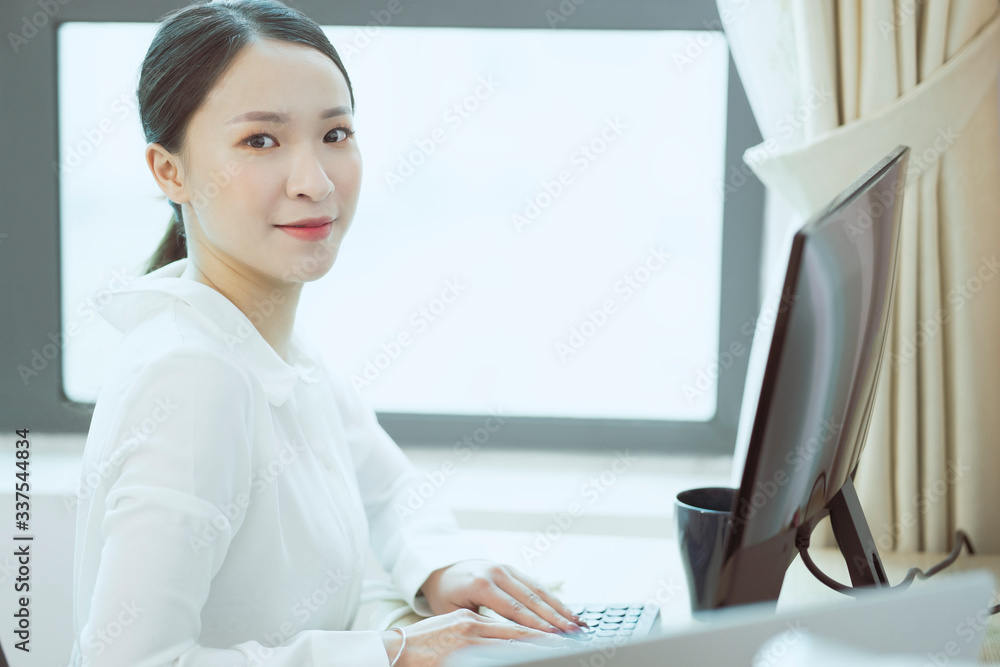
<point x="150" y="292"/>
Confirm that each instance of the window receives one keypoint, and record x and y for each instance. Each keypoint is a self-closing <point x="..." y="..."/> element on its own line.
<point x="545" y="223"/>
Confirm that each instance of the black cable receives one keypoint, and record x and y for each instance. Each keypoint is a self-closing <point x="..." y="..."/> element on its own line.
<point x="802" y="544"/>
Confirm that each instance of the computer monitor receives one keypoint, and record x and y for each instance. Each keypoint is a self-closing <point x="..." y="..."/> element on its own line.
<point x="817" y="389"/>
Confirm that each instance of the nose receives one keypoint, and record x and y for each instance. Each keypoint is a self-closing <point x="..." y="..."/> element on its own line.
<point x="308" y="177"/>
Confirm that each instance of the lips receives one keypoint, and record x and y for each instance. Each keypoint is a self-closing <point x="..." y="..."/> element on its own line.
<point x="312" y="222"/>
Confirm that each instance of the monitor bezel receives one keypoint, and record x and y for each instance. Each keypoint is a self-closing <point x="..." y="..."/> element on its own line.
<point x="742" y="499"/>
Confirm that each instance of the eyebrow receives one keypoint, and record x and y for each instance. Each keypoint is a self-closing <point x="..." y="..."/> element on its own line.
<point x="276" y="117"/>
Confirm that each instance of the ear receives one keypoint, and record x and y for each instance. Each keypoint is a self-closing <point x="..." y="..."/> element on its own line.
<point x="168" y="172"/>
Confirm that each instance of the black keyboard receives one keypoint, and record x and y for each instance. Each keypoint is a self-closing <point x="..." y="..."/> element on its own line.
<point x="616" y="623"/>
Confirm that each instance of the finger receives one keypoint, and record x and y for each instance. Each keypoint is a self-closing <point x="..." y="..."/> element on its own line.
<point x="523" y="633"/>
<point x="547" y="596"/>
<point x="500" y="651"/>
<point x="509" y="607"/>
<point x="534" y="602"/>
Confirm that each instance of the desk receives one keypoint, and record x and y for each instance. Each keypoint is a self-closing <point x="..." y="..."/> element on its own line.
<point x="598" y="568"/>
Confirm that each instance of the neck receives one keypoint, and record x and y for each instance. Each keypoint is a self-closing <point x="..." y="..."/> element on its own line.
<point x="270" y="305"/>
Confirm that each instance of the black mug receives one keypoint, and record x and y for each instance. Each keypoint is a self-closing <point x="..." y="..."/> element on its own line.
<point x="704" y="521"/>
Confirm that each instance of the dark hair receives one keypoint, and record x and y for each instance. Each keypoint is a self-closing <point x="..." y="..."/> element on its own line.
<point x="188" y="55"/>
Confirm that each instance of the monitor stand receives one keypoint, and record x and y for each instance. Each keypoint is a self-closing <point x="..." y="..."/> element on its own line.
<point x="850" y="528"/>
<point x="755" y="574"/>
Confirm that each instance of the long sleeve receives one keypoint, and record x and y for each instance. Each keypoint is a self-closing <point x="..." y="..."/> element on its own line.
<point x="412" y="532"/>
<point x="174" y="503"/>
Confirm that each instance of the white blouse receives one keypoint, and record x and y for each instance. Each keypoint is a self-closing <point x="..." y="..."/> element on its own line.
<point x="227" y="497"/>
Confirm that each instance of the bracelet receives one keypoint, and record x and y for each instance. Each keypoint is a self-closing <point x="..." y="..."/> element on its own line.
<point x="401" y="647"/>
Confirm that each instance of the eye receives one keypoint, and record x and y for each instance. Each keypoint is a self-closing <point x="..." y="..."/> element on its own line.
<point x="259" y="136"/>
<point x="254" y="137"/>
<point x="346" y="131"/>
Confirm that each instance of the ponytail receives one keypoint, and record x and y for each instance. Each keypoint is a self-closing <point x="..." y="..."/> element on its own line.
<point x="173" y="246"/>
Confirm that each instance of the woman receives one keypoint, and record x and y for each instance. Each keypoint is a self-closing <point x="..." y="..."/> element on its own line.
<point x="231" y="482"/>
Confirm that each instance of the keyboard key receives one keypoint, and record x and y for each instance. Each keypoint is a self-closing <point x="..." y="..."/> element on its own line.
<point x="598" y="608"/>
<point x="627" y="625"/>
<point x="615" y="612"/>
<point x="612" y="619"/>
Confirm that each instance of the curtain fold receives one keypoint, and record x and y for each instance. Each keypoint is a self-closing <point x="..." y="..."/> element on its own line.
<point x="856" y="78"/>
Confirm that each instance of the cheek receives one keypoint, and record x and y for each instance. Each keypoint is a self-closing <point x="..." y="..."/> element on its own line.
<point x="347" y="175"/>
<point x="255" y="180"/>
<point x="250" y="189"/>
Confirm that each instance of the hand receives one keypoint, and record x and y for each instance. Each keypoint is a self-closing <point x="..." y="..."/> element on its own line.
<point x="430" y="640"/>
<point x="509" y="592"/>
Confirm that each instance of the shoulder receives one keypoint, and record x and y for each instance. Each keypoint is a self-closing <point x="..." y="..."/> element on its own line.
<point x="174" y="350"/>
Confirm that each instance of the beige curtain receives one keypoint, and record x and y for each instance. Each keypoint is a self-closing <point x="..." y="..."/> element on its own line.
<point x="834" y="86"/>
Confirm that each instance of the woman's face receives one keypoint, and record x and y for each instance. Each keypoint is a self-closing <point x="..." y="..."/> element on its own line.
<point x="272" y="145"/>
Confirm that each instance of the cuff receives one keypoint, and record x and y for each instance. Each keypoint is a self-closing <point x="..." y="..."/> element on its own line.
<point x="415" y="565"/>
<point x="357" y="648"/>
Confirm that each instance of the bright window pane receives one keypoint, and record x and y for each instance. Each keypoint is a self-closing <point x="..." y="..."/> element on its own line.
<point x="540" y="219"/>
